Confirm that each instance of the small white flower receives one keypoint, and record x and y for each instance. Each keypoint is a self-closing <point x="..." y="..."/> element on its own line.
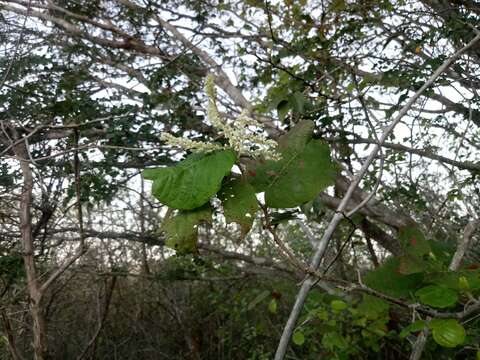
<point x="242" y="134"/>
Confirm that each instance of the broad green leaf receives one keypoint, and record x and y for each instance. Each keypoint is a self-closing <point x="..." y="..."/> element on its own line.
<point x="437" y="296"/>
<point x="390" y="281"/>
<point x="192" y="182"/>
<point x="372" y="307"/>
<point x="272" y="306"/>
<point x="338" y="305"/>
<point x="298" y="338"/>
<point x="239" y="203"/>
<point x="412" y="328"/>
<point x="303" y="172"/>
<point x="181" y="229"/>
<point x="447" y="332"/>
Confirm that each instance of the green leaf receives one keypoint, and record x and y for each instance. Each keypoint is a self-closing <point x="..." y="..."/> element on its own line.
<point x="412" y="328"/>
<point x="283" y="107"/>
<point x="322" y="314"/>
<point x="338" y="305"/>
<point x="181" y="230"/>
<point x="447" y="333"/>
<point x="332" y="340"/>
<point x="299" y="102"/>
<point x="239" y="203"/>
<point x="297" y="137"/>
<point x="437" y="296"/>
<point x="463" y="283"/>
<point x="258" y="299"/>
<point x="411" y="264"/>
<point x="372" y="307"/>
<point x="298" y="338"/>
<point x="303" y="172"/>
<point x="390" y="281"/>
<point x="378" y="327"/>
<point x="192" y="182"/>
<point x="414" y="241"/>
<point x="272" y="306"/>
<point x="456" y="280"/>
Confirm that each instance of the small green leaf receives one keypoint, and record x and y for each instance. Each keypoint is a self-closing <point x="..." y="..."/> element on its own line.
<point x="181" y="230"/>
<point x="239" y="203"/>
<point x="298" y="338"/>
<point x="437" y="296"/>
<point x="272" y="306"/>
<point x="463" y="283"/>
<point x="332" y="340"/>
<point x="192" y="182"/>
<point x="447" y="333"/>
<point x="322" y="314"/>
<point x="338" y="305"/>
<point x="412" y="328"/>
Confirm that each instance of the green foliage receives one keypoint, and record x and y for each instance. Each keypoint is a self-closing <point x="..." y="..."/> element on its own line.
<point x="272" y="306"/>
<point x="459" y="280"/>
<point x="92" y="79"/>
<point x="372" y="307"/>
<point x="437" y="296"/>
<point x="192" y="182"/>
<point x="414" y="241"/>
<point x="388" y="279"/>
<point x="334" y="341"/>
<point x="414" y="327"/>
<point x="182" y="229"/>
<point x="338" y="305"/>
<point x="303" y="172"/>
<point x="239" y="203"/>
<point x="11" y="268"/>
<point x="447" y="332"/>
<point x="298" y="338"/>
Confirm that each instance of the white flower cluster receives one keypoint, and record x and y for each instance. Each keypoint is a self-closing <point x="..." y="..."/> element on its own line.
<point x="187" y="144"/>
<point x="240" y="133"/>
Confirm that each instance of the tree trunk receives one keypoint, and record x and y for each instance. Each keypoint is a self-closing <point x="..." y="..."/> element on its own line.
<point x="34" y="291"/>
